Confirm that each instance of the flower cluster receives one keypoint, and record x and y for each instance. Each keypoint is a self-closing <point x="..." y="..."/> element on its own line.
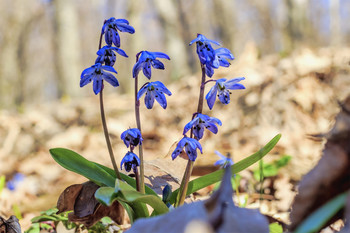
<point x="210" y="59"/>
<point x="221" y="89"/>
<point x="106" y="56"/>
<point x="131" y="138"/>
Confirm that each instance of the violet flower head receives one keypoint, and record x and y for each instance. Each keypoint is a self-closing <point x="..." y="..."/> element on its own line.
<point x="146" y="60"/>
<point x="190" y="145"/>
<point x="201" y="122"/>
<point x="107" y="56"/>
<point x="221" y="56"/>
<point x="154" y="90"/>
<point x="97" y="73"/>
<point x="17" y="179"/>
<point x="130" y="161"/>
<point x="205" y="51"/>
<point x="224" y="161"/>
<point x="111" y="27"/>
<point x="221" y="89"/>
<point x="132" y="137"/>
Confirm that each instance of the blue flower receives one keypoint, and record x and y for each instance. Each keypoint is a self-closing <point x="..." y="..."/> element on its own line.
<point x="17" y="179"/>
<point x="132" y="137"/>
<point x="224" y="161"/>
<point x="130" y="161"/>
<point x="221" y="89"/>
<point x="190" y="145"/>
<point x="107" y="55"/>
<point x="111" y="27"/>
<point x="98" y="73"/>
<point x="210" y="58"/>
<point x="221" y="56"/>
<point x="154" y="90"/>
<point x="201" y="122"/>
<point x="205" y="51"/>
<point x="146" y="60"/>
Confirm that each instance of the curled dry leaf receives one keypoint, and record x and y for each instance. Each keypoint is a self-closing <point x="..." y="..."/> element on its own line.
<point x="86" y="209"/>
<point x="346" y="228"/>
<point x="10" y="225"/>
<point x="218" y="213"/>
<point x="330" y="176"/>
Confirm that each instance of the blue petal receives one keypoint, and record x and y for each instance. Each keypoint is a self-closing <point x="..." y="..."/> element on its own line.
<point x="224" y="52"/>
<point x="211" y="127"/>
<point x="109" y="36"/>
<point x="224" y="63"/>
<point x="111" y="79"/>
<point x="160" y="55"/>
<point x="211" y="96"/>
<point x="157" y="64"/>
<point x="88" y="71"/>
<point x="198" y="131"/>
<point x="97" y="85"/>
<point x="142" y="91"/>
<point x="216" y="120"/>
<point x="149" y="99"/>
<point x="118" y="21"/>
<point x="161" y="87"/>
<point x="209" y="71"/>
<point x="116" y="38"/>
<point x="147" y="70"/>
<point x="177" y="151"/>
<point x="230" y="82"/>
<point x="161" y="99"/>
<point x="109" y="68"/>
<point x="136" y="69"/>
<point x="236" y="86"/>
<point x="122" y="136"/>
<point x="121" y="52"/>
<point x="85" y="80"/>
<point x="224" y="97"/>
<point x="125" y="28"/>
<point x="189" y="125"/>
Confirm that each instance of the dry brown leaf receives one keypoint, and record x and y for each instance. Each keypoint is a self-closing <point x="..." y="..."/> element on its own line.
<point x="86" y="209"/>
<point x="10" y="225"/>
<point x="330" y="176"/>
<point x="218" y="213"/>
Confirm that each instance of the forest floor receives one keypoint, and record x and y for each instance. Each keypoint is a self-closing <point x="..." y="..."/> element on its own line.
<point x="296" y="96"/>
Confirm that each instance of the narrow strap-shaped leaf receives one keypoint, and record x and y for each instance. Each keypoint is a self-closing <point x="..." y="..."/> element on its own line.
<point x="127" y="178"/>
<point x="74" y="162"/>
<point x="216" y="176"/>
<point x="318" y="218"/>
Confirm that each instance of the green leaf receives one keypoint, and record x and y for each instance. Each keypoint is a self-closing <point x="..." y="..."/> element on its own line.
<point x="275" y="228"/>
<point x="74" y="162"/>
<point x="2" y="182"/>
<point x="271" y="169"/>
<point x="131" y="181"/>
<point x="134" y="199"/>
<point x="216" y="176"/>
<point x="43" y="218"/>
<point x="317" y="219"/>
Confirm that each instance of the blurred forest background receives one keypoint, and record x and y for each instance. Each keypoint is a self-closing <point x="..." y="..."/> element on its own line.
<point x="44" y="45"/>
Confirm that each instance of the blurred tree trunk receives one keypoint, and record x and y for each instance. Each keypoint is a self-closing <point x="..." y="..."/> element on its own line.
<point x="175" y="44"/>
<point x="66" y="48"/>
<point x="186" y="33"/>
<point x="224" y="25"/>
<point x="336" y="33"/>
<point x="10" y="69"/>
<point x="298" y="29"/>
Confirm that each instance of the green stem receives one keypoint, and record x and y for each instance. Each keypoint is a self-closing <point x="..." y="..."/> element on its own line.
<point x="105" y="130"/>
<point x="186" y="178"/>
<point x="138" y="123"/>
